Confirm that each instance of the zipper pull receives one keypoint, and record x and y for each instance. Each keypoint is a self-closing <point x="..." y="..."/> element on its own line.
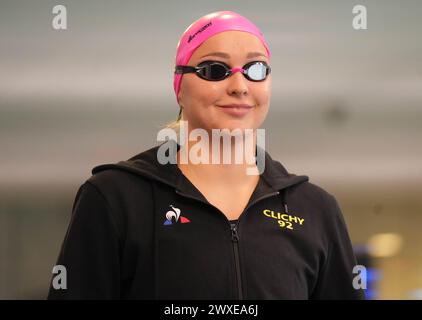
<point x="235" y="236"/>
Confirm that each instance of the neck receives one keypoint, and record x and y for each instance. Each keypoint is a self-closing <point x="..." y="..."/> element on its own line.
<point x="219" y="162"/>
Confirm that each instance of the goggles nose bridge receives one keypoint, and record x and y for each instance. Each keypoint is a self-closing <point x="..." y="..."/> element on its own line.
<point x="233" y="70"/>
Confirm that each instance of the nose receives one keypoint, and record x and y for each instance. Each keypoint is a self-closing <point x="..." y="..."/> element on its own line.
<point x="237" y="82"/>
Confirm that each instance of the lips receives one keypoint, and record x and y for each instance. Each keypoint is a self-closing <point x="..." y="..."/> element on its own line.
<point x="236" y="110"/>
<point x="243" y="106"/>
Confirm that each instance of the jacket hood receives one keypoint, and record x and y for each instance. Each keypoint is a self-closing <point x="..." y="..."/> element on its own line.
<point x="145" y="164"/>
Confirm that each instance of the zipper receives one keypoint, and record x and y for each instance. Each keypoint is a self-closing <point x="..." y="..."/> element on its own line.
<point x="235" y="241"/>
<point x="234" y="235"/>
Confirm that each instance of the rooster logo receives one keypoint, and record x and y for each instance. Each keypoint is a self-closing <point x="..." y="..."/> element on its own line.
<point x="172" y="216"/>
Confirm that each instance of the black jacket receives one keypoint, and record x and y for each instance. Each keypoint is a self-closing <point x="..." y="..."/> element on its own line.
<point x="141" y="230"/>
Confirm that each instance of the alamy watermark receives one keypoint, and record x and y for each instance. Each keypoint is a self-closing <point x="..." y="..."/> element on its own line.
<point x="360" y="20"/>
<point x="239" y="140"/>
<point x="360" y="280"/>
<point x="60" y="280"/>
<point x="60" y="19"/>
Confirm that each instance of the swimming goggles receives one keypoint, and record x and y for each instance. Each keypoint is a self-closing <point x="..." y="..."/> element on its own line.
<point x="216" y="70"/>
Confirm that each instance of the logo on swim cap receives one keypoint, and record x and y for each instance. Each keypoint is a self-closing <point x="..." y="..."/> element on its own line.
<point x="200" y="30"/>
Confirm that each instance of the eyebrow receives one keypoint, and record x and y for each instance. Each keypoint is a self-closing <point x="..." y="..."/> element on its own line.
<point x="227" y="56"/>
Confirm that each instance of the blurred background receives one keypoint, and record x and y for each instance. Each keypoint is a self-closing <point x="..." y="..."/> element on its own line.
<point x="346" y="110"/>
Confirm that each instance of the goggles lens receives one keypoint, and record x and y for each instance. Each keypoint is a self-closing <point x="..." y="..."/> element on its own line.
<point x="257" y="71"/>
<point x="210" y="70"/>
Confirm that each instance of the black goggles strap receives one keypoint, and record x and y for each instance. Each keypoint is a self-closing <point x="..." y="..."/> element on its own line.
<point x="184" y="69"/>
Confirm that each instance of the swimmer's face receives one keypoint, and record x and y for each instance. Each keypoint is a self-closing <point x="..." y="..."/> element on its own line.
<point x="202" y="100"/>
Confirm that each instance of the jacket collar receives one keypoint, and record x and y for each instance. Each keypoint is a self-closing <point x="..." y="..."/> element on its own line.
<point x="274" y="178"/>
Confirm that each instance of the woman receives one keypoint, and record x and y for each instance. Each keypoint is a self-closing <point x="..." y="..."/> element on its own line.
<point x="188" y="230"/>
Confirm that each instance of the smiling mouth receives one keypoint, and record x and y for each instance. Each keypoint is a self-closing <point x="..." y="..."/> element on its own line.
<point x="237" y="106"/>
<point x="236" y="110"/>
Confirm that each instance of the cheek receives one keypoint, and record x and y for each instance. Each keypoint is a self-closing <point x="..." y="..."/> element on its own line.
<point x="200" y="91"/>
<point x="262" y="95"/>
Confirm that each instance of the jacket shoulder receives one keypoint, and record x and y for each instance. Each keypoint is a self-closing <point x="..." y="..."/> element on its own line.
<point x="113" y="180"/>
<point x="320" y="199"/>
<point x="122" y="191"/>
<point x="315" y="191"/>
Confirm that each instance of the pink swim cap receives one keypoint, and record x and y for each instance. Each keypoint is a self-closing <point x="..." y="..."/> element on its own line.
<point x="204" y="28"/>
